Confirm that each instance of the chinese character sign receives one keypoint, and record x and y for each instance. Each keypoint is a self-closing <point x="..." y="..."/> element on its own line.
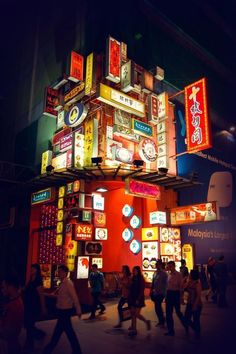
<point x="197" y="121"/>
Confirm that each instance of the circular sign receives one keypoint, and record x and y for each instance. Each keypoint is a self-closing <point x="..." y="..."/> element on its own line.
<point x="147" y="150"/>
<point x="135" y="222"/>
<point x="76" y="115"/>
<point x="135" y="246"/>
<point x="127" y="235"/>
<point x="127" y="210"/>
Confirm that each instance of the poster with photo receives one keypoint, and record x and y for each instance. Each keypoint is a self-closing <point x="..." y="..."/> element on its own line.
<point x="149" y="255"/>
<point x="83" y="267"/>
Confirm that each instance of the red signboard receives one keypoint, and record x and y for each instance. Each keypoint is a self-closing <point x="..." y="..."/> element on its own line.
<point x="197" y="120"/>
<point x="83" y="232"/>
<point x="99" y="219"/>
<point x="76" y="67"/>
<point x="113" y="60"/>
<point x="51" y="100"/>
<point x="142" y="189"/>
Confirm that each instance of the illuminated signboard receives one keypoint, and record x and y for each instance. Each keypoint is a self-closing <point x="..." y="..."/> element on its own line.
<point x="149" y="255"/>
<point x="149" y="234"/>
<point x="83" y="268"/>
<point x="50" y="102"/>
<point x="153" y="109"/>
<point x="142" y="189"/>
<point x="62" y="161"/>
<point x="127" y="80"/>
<point x="142" y="128"/>
<point x="76" y="67"/>
<point x="74" y="94"/>
<point x="45" y="195"/>
<point x="197" y="120"/>
<point x="89" y="79"/>
<point x="162" y="108"/>
<point x="93" y="248"/>
<point x="46" y="161"/>
<point x="60" y="119"/>
<point x="83" y="232"/>
<point x="113" y="60"/>
<point x="98" y="202"/>
<point x="147" y="150"/>
<point x="158" y="217"/>
<point x="99" y="219"/>
<point x="66" y="142"/>
<point x="188" y="255"/>
<point x="78" y="155"/>
<point x="76" y="115"/>
<point x="194" y="213"/>
<point x="120" y="100"/>
<point x="100" y="233"/>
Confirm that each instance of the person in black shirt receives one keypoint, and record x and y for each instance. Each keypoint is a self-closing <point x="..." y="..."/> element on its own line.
<point x="34" y="305"/>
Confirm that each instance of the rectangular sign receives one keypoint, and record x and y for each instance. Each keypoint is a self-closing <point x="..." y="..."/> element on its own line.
<point x="78" y="154"/>
<point x="100" y="233"/>
<point x="45" y="195"/>
<point x="76" y="67"/>
<point x="122" y="118"/>
<point x="194" y="213"/>
<point x="163" y="105"/>
<point x="66" y="142"/>
<point x="149" y="255"/>
<point x="99" y="219"/>
<point x="60" y="119"/>
<point x="113" y="60"/>
<point x="50" y="102"/>
<point x="153" y="109"/>
<point x="83" y="267"/>
<point x="120" y="100"/>
<point x="89" y="79"/>
<point x="98" y="261"/>
<point x="127" y="79"/>
<point x="158" y="217"/>
<point x="142" y="189"/>
<point x="62" y="161"/>
<point x="83" y="232"/>
<point x="74" y="94"/>
<point x="142" y="128"/>
<point x="149" y="234"/>
<point x="197" y="121"/>
<point x="46" y="161"/>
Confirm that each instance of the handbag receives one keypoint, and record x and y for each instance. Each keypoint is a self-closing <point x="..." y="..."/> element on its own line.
<point x="125" y="313"/>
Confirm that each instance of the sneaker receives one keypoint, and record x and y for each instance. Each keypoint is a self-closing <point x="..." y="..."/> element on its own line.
<point x="148" y="323"/>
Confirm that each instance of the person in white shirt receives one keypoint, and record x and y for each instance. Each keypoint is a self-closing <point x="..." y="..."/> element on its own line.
<point x="66" y="300"/>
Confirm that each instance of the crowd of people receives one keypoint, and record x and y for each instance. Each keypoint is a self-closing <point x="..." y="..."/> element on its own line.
<point x="169" y="286"/>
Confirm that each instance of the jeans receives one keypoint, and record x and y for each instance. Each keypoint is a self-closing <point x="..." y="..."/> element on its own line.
<point x="121" y="303"/>
<point x="173" y="302"/>
<point x="96" y="303"/>
<point x="193" y="317"/>
<point x="158" y="308"/>
<point x="64" y="325"/>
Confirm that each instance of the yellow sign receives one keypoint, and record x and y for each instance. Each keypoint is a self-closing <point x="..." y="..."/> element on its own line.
<point x="60" y="215"/>
<point x="59" y="240"/>
<point x="90" y="140"/>
<point x="70" y="252"/>
<point x="150" y="234"/>
<point x="120" y="100"/>
<point x="89" y="74"/>
<point x="46" y="161"/>
<point x="62" y="191"/>
<point x="59" y="227"/>
<point x="74" y="92"/>
<point x="60" y="203"/>
<point x="187" y="254"/>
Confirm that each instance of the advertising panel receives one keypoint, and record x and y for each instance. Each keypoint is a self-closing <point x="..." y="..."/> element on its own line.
<point x="45" y="195"/>
<point x="83" y="232"/>
<point x="50" y="102"/>
<point x="74" y="94"/>
<point x="46" y="161"/>
<point x="197" y="121"/>
<point x="101" y="233"/>
<point x="89" y="79"/>
<point x="113" y="60"/>
<point x="149" y="255"/>
<point x="78" y="152"/>
<point x="163" y="105"/>
<point x="127" y="79"/>
<point x="76" y="67"/>
<point x="76" y="115"/>
<point x="150" y="234"/>
<point x="83" y="268"/>
<point x="157" y="217"/>
<point x="194" y="213"/>
<point x="93" y="248"/>
<point x="142" y="189"/>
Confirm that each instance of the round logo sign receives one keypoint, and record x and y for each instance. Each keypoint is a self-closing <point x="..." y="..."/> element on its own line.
<point x="147" y="150"/>
<point x="76" y="115"/>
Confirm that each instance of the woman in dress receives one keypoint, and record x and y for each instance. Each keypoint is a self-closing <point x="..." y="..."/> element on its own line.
<point x="125" y="288"/>
<point x="136" y="300"/>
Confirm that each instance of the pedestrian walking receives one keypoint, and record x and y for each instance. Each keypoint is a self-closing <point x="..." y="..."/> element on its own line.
<point x="66" y="300"/>
<point x="194" y="304"/>
<point x="125" y="289"/>
<point x="174" y="288"/>
<point x="221" y="272"/>
<point x="12" y="319"/>
<point x="158" y="291"/>
<point x="185" y="273"/>
<point x="136" y="300"/>
<point x="96" y="281"/>
<point x="34" y="305"/>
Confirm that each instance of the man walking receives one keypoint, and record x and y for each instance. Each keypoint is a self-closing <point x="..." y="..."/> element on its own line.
<point x="96" y="281"/>
<point x="158" y="291"/>
<point x="66" y="298"/>
<point x="174" y="288"/>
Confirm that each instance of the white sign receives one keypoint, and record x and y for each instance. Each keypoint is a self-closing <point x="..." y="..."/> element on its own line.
<point x="149" y="255"/>
<point x="127" y="234"/>
<point x="135" y="246"/>
<point x="135" y="222"/>
<point x="161" y="138"/>
<point x="127" y="101"/>
<point x="161" y="127"/>
<point x="60" y="119"/>
<point x="83" y="268"/>
<point x="162" y="162"/>
<point x="98" y="261"/>
<point x="127" y="210"/>
<point x="157" y="217"/>
<point x="78" y="149"/>
<point x="162" y="150"/>
<point x="98" y="202"/>
<point x="100" y="233"/>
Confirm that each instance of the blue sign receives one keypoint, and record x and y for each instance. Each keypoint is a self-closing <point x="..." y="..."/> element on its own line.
<point x="141" y="128"/>
<point x="41" y="196"/>
<point x="76" y="115"/>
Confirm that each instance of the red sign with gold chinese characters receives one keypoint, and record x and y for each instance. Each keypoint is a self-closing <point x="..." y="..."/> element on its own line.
<point x="83" y="232"/>
<point x="113" y="60"/>
<point x="76" y="67"/>
<point x="197" y="120"/>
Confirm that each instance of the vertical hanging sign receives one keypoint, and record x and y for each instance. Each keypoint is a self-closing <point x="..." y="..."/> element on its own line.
<point x="76" y="67"/>
<point x="113" y="60"/>
<point x="197" y="120"/>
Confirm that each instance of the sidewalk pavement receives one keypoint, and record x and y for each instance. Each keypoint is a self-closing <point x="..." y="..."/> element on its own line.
<point x="99" y="337"/>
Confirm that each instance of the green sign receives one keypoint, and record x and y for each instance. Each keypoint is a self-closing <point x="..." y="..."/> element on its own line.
<point x="86" y="215"/>
<point x="41" y="196"/>
<point x="141" y="128"/>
